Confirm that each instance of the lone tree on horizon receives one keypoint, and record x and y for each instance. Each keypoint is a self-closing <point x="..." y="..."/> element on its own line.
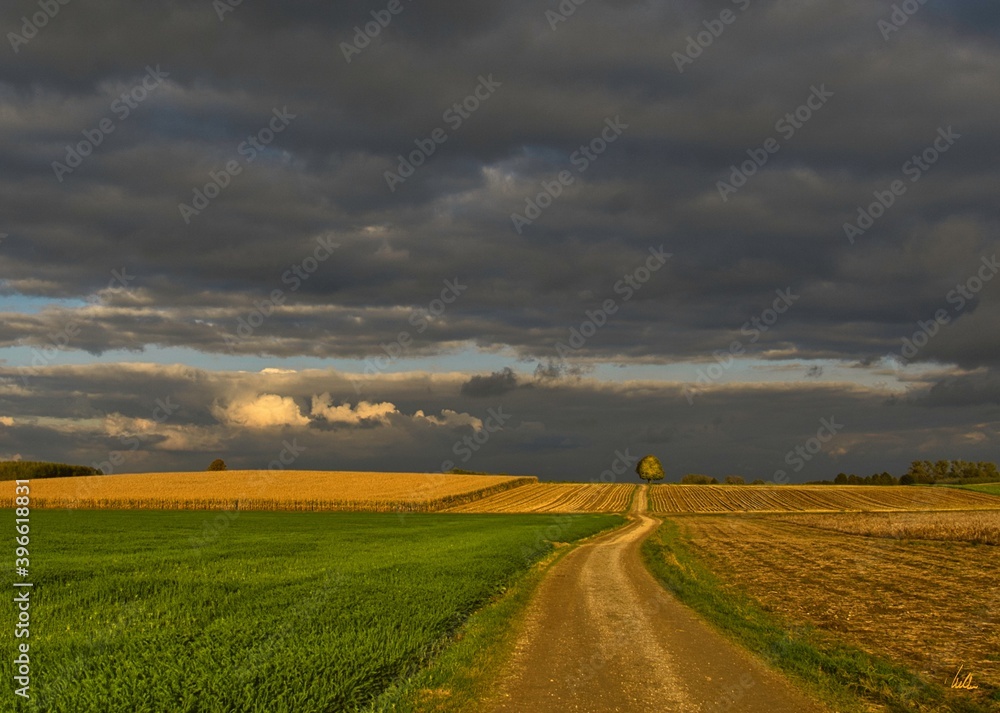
<point x="217" y="464"/>
<point x="649" y="468"/>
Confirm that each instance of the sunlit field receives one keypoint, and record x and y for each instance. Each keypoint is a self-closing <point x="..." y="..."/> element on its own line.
<point x="279" y="612"/>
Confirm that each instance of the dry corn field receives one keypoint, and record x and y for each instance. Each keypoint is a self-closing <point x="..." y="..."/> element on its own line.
<point x="979" y="526"/>
<point x="269" y="490"/>
<point x="555" y="497"/>
<point x="813" y="498"/>
<point x="929" y="604"/>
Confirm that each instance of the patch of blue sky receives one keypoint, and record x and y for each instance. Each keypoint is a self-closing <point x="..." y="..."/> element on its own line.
<point x="27" y="304"/>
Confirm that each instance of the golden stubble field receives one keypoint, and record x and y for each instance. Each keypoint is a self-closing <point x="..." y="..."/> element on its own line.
<point x="975" y="526"/>
<point x="269" y="490"/>
<point x="555" y="497"/>
<point x="930" y="604"/>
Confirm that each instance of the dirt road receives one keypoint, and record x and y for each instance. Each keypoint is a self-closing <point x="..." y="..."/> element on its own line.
<point x="601" y="636"/>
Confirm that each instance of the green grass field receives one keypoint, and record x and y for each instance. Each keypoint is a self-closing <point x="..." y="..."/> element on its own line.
<point x="990" y="488"/>
<point x="135" y="611"/>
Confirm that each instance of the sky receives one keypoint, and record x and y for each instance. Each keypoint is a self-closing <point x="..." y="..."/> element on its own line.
<point x="748" y="237"/>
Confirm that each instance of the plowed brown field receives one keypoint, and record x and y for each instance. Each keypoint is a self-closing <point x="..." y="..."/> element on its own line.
<point x="928" y="604"/>
<point x="813" y="498"/>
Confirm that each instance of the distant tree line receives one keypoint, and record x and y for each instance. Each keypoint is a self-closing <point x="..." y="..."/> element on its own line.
<point x="925" y="472"/>
<point x="921" y="472"/>
<point x="882" y="478"/>
<point x="950" y="471"/>
<point x="696" y="479"/>
<point x="28" y="469"/>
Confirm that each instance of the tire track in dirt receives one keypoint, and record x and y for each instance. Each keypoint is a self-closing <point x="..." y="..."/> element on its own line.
<point x="602" y="635"/>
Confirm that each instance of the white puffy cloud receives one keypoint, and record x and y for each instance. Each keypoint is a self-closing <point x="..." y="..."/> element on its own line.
<point x="365" y="411"/>
<point x="450" y="418"/>
<point x="261" y="411"/>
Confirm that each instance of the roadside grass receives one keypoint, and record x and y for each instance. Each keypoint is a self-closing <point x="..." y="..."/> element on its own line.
<point x="847" y="678"/>
<point x="280" y="613"/>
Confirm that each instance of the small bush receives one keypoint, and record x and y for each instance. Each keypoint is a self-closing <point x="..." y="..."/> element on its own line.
<point x="217" y="464"/>
<point x="695" y="479"/>
<point x="735" y="480"/>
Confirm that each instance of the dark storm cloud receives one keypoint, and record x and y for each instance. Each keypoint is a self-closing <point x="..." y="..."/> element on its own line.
<point x="182" y="418"/>
<point x="656" y="184"/>
<point x="965" y="390"/>
<point x="495" y="384"/>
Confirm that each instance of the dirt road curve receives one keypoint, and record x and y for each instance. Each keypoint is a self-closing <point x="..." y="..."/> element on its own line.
<point x="601" y="636"/>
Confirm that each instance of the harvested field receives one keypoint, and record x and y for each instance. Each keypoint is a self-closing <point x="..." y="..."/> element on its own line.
<point x="976" y="526"/>
<point x="556" y="497"/>
<point x="269" y="490"/>
<point x="927" y="604"/>
<point x="813" y="498"/>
